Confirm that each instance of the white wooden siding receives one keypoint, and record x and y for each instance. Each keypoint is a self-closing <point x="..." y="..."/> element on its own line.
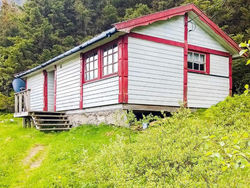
<point x="102" y="92"/>
<point x="35" y="84"/>
<point x="205" y="90"/>
<point x="171" y="29"/>
<point x="199" y="37"/>
<point x="155" y="73"/>
<point x="68" y="84"/>
<point x="219" y="65"/>
<point x="51" y="91"/>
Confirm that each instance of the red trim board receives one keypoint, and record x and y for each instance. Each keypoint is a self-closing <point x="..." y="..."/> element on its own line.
<point x="123" y="69"/>
<point x="55" y="87"/>
<point x="127" y="26"/>
<point x="207" y="50"/>
<point x="156" y="39"/>
<point x="81" y="80"/>
<point x="230" y="76"/>
<point x="185" y="66"/>
<point x="45" y="91"/>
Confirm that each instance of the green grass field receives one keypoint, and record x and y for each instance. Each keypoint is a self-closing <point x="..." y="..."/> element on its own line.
<point x="62" y="154"/>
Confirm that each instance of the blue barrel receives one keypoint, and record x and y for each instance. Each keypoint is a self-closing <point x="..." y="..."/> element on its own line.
<point x="18" y="84"/>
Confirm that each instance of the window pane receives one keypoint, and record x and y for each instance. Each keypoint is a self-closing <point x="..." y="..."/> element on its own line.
<point x="190" y="57"/>
<point x="196" y="66"/>
<point x="190" y="65"/>
<point x="105" y="60"/>
<point x="110" y="69"/>
<point x="96" y="64"/>
<point x="91" y="65"/>
<point x="115" y="48"/>
<point x="105" y="70"/>
<point x="110" y="60"/>
<point x="202" y="58"/>
<point x="96" y="57"/>
<point x="115" y="57"/>
<point x="116" y="67"/>
<point x="105" y="53"/>
<point x="110" y="51"/>
<point x="87" y="76"/>
<point x="196" y="57"/>
<point x="202" y="67"/>
<point x="91" y="76"/>
<point x="95" y="74"/>
<point x="87" y="67"/>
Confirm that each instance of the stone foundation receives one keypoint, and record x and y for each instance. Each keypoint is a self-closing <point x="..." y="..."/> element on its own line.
<point x="116" y="117"/>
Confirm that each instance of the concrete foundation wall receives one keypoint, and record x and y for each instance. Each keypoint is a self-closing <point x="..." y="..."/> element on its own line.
<point x="112" y="117"/>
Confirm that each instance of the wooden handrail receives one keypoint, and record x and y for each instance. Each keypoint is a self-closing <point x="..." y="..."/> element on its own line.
<point x="22" y="101"/>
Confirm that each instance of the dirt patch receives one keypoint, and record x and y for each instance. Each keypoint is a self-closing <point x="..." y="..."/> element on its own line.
<point x="35" y="157"/>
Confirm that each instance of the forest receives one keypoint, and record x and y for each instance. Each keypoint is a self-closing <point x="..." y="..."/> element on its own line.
<point x="42" y="29"/>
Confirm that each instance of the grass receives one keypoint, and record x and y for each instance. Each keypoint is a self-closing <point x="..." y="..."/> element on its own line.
<point x="63" y="153"/>
<point x="208" y="148"/>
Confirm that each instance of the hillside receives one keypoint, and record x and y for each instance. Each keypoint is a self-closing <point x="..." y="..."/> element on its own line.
<point x="208" y="148"/>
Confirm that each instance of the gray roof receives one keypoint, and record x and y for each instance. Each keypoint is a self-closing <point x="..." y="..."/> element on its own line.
<point x="99" y="37"/>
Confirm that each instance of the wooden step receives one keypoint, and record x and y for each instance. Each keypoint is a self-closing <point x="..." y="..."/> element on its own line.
<point x="47" y="125"/>
<point x="39" y="115"/>
<point x="55" y="129"/>
<point x="55" y="120"/>
<point x="48" y="113"/>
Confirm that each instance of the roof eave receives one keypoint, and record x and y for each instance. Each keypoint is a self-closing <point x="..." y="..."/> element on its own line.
<point x="103" y="35"/>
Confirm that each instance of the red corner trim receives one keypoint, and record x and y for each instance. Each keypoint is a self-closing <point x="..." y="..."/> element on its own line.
<point x="207" y="50"/>
<point x="81" y="80"/>
<point x="55" y="87"/>
<point x="230" y="76"/>
<point x="185" y="67"/>
<point x="127" y="26"/>
<point x="156" y="39"/>
<point x="123" y="69"/>
<point x="45" y="91"/>
<point x="100" y="59"/>
<point x="207" y="63"/>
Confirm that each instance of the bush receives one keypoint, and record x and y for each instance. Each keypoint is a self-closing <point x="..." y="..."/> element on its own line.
<point x="7" y="102"/>
<point x="203" y="149"/>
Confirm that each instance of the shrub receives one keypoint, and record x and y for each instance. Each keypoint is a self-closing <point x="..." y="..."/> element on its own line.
<point x="204" y="149"/>
<point x="7" y="102"/>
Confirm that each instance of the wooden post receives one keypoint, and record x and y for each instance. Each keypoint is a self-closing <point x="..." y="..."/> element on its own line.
<point x="20" y="102"/>
<point x="24" y="122"/>
<point x="16" y="103"/>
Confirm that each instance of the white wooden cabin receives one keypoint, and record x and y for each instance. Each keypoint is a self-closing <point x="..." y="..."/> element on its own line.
<point x="150" y="63"/>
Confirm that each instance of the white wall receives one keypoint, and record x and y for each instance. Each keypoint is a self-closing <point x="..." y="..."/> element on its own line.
<point x="204" y="90"/>
<point x="219" y="65"/>
<point x="68" y="84"/>
<point x="155" y="73"/>
<point x="200" y="37"/>
<point x="171" y="29"/>
<point x="51" y="91"/>
<point x="35" y="84"/>
<point x="102" y="92"/>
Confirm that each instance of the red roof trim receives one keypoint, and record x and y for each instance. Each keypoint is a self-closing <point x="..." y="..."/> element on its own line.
<point x="127" y="26"/>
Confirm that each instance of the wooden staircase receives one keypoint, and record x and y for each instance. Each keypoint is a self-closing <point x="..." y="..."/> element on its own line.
<point x="51" y="121"/>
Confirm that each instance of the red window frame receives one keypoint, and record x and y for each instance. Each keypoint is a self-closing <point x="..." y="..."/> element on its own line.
<point x="85" y="57"/>
<point x="113" y="63"/>
<point x="206" y="65"/>
<point x="100" y="53"/>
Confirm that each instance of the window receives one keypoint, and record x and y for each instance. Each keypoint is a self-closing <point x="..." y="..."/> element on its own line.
<point x="91" y="67"/>
<point x="110" y="60"/>
<point x="196" y="61"/>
